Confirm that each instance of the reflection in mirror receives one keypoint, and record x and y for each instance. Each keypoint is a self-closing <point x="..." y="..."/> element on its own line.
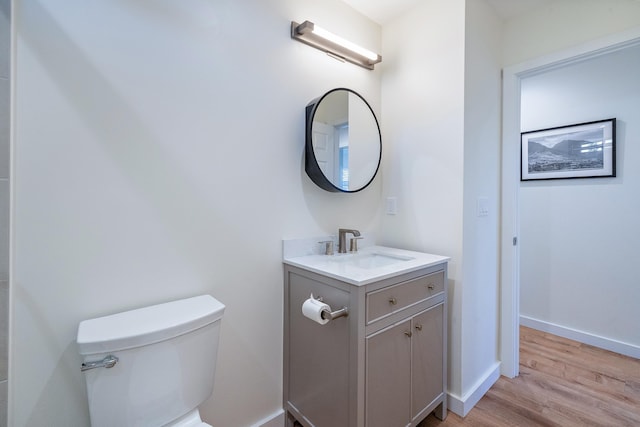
<point x="343" y="144"/>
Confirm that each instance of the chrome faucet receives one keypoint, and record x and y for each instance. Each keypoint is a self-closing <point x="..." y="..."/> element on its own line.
<point x="342" y="241"/>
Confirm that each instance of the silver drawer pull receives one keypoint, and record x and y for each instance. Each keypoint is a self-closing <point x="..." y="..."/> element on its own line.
<point x="408" y="333"/>
<point x="419" y="327"/>
<point x="108" y="362"/>
<point x="393" y="301"/>
<point x="430" y="286"/>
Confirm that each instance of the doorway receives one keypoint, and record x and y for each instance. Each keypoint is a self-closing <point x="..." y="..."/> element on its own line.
<point x="510" y="223"/>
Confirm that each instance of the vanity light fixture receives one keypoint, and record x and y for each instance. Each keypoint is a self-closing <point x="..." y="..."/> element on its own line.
<point x="333" y="45"/>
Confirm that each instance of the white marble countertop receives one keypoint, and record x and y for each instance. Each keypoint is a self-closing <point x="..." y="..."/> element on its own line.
<point x="369" y="264"/>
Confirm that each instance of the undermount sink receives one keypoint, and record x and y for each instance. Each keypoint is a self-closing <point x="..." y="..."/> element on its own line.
<point x="370" y="264"/>
<point x="370" y="260"/>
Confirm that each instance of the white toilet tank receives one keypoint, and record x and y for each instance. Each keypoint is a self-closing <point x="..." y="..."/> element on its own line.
<point x="166" y="360"/>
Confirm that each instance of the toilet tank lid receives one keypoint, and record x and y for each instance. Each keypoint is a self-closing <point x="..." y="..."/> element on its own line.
<point x="147" y="325"/>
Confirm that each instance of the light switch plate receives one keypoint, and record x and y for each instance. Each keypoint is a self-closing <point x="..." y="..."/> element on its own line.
<point x="483" y="206"/>
<point x="392" y="206"/>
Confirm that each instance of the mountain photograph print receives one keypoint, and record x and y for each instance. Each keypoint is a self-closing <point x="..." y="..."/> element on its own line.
<point x="585" y="150"/>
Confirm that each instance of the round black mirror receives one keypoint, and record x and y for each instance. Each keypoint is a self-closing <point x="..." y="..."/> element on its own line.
<point x="343" y="145"/>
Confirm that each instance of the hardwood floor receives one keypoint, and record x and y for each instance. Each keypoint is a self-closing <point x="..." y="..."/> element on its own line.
<point x="561" y="383"/>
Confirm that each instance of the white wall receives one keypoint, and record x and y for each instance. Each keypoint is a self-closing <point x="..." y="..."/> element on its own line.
<point x="5" y="90"/>
<point x="565" y="23"/>
<point x="159" y="155"/>
<point x="483" y="55"/>
<point x="423" y="127"/>
<point x="580" y="238"/>
<point x="441" y="121"/>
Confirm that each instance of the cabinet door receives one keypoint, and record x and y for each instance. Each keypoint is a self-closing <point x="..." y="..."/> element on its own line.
<point x="388" y="377"/>
<point x="427" y="360"/>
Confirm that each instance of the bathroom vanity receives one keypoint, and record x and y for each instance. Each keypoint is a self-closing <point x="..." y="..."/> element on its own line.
<point x="383" y="365"/>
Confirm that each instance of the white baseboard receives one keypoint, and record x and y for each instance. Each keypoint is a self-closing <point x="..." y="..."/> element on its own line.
<point x="274" y="420"/>
<point x="583" y="337"/>
<point x="462" y="405"/>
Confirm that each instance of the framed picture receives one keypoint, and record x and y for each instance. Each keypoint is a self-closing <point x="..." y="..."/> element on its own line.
<point x="584" y="150"/>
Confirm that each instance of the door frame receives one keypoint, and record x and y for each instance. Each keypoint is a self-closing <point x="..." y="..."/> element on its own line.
<point x="510" y="190"/>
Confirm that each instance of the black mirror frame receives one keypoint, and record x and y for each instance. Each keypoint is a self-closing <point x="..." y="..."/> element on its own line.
<point x="310" y="162"/>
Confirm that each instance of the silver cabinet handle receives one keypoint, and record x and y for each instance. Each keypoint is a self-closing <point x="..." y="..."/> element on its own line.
<point x="408" y="333"/>
<point x="393" y="301"/>
<point x="430" y="286"/>
<point x="108" y="362"/>
<point x="419" y="327"/>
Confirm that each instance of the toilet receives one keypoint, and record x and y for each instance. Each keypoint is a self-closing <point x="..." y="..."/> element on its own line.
<point x="153" y="366"/>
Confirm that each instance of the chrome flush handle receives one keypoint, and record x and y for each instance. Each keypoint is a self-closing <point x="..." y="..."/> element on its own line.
<point x="108" y="362"/>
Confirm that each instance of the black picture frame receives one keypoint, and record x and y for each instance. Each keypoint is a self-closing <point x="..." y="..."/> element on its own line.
<point x="583" y="150"/>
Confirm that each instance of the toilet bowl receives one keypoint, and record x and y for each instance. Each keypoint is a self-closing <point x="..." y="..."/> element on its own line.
<point x="153" y="366"/>
<point x="192" y="419"/>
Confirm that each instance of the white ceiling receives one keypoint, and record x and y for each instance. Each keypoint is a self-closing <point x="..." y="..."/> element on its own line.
<point x="383" y="11"/>
<point x="510" y="8"/>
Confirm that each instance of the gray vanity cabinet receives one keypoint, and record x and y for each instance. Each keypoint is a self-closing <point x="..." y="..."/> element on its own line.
<point x="405" y="361"/>
<point x="382" y="366"/>
<point x="427" y="361"/>
<point x="388" y="376"/>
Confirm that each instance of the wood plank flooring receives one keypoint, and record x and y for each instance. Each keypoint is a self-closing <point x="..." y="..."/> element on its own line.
<point x="561" y="383"/>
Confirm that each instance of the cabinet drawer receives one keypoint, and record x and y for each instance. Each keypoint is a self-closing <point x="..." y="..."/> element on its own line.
<point x="394" y="298"/>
